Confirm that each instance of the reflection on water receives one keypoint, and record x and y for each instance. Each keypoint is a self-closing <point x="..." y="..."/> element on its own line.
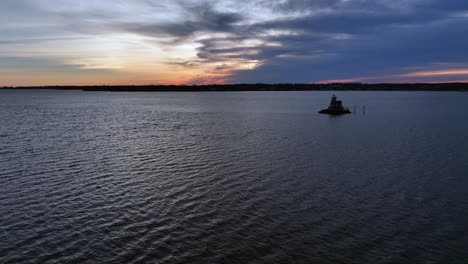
<point x="232" y="178"/>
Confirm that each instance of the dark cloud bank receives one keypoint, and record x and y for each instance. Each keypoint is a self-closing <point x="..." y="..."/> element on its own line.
<point x="327" y="40"/>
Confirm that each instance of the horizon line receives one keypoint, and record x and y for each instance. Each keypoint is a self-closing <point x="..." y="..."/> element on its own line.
<point x="317" y="84"/>
<point x="232" y="84"/>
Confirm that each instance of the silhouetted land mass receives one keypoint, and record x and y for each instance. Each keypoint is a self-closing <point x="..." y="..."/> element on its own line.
<point x="265" y="87"/>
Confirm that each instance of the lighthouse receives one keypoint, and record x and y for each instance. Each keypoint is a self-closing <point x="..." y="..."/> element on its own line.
<point x="335" y="107"/>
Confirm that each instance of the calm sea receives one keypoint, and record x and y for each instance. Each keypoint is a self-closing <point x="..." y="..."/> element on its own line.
<point x="256" y="177"/>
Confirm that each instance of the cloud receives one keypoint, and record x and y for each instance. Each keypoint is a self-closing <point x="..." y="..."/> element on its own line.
<point x="450" y="72"/>
<point x="201" y="18"/>
<point x="250" y="41"/>
<point x="351" y="43"/>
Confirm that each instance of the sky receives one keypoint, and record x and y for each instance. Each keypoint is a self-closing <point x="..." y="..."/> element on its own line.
<point x="139" y="42"/>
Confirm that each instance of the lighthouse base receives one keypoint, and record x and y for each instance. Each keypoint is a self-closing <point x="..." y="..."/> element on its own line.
<point x="335" y="112"/>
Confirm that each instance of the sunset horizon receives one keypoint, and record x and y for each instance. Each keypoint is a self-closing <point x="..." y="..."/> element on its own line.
<point x="189" y="42"/>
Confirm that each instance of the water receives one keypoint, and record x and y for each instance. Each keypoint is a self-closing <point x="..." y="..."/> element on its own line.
<point x="233" y="178"/>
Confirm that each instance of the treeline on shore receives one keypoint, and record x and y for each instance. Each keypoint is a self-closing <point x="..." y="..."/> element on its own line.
<point x="265" y="87"/>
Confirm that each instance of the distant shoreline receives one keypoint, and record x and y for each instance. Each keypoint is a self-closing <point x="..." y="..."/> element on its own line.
<point x="462" y="87"/>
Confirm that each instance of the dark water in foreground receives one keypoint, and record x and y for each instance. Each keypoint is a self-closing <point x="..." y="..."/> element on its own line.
<point x="232" y="178"/>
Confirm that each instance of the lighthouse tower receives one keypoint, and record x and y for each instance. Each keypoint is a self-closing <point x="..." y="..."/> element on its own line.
<point x="335" y="107"/>
<point x="335" y="104"/>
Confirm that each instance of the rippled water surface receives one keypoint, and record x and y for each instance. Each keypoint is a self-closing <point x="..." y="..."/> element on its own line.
<point x="232" y="178"/>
